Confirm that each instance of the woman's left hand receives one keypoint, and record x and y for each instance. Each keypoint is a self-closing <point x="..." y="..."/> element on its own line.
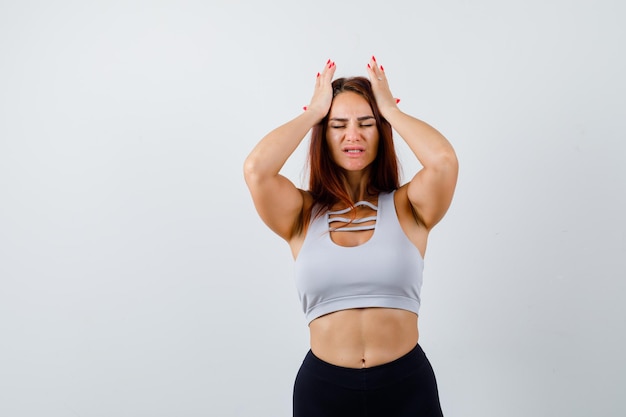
<point x="380" y="87"/>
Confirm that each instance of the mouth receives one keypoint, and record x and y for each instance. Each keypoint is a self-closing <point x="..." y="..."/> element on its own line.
<point x="353" y="150"/>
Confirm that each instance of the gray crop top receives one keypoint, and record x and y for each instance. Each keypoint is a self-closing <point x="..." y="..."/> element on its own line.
<point x="385" y="271"/>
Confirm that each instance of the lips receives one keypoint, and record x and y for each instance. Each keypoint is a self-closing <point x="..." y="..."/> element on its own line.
<point x="353" y="150"/>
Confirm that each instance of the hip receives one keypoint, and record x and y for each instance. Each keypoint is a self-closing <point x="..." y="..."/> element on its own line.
<point x="405" y="386"/>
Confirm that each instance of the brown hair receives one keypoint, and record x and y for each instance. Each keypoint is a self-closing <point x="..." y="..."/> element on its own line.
<point x="326" y="178"/>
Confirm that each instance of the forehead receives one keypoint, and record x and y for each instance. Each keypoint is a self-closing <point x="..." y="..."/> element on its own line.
<point x="348" y="104"/>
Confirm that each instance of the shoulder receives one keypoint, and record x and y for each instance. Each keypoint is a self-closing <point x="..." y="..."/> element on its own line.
<point x="410" y="220"/>
<point x="405" y="210"/>
<point x="400" y="197"/>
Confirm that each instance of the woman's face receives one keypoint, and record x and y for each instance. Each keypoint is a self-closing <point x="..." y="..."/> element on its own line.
<point x="352" y="135"/>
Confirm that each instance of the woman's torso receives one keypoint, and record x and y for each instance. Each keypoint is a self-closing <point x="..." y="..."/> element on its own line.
<point x="371" y="336"/>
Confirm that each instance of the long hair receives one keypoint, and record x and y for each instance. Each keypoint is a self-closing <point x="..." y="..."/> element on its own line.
<point x="326" y="178"/>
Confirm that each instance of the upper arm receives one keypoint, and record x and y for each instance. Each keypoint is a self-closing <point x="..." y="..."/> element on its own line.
<point x="431" y="190"/>
<point x="278" y="201"/>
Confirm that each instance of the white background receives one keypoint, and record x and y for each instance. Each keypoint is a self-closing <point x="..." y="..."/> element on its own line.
<point x="137" y="280"/>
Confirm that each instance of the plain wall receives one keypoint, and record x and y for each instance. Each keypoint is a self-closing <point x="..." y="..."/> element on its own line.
<point x="136" y="279"/>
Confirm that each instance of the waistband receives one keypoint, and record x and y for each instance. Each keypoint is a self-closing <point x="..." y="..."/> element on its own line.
<point x="367" y="378"/>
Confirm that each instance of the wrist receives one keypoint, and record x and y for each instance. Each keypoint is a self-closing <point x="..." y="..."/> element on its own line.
<point x="389" y="112"/>
<point x="315" y="114"/>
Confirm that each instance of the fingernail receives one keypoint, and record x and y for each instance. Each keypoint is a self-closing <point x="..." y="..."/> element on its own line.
<point x="397" y="100"/>
<point x="328" y="62"/>
<point x="368" y="66"/>
<point x="373" y="58"/>
<point x="318" y="74"/>
<point x="304" y="108"/>
<point x="381" y="68"/>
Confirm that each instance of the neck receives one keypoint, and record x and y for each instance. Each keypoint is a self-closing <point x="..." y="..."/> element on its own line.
<point x="356" y="185"/>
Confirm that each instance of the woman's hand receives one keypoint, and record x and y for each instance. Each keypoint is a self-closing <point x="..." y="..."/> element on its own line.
<point x="323" y="92"/>
<point x="380" y="87"/>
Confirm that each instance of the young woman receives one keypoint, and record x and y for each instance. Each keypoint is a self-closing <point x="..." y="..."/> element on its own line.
<point x="358" y="238"/>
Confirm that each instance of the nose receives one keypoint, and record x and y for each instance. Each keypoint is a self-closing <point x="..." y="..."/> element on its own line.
<point x="352" y="132"/>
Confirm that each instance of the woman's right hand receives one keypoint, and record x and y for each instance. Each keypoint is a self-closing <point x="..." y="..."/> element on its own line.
<point x="323" y="92"/>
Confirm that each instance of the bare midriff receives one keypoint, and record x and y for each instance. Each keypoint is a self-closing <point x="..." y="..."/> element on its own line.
<point x="363" y="337"/>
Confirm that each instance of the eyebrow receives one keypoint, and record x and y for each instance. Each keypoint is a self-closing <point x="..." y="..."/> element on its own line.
<point x="341" y="119"/>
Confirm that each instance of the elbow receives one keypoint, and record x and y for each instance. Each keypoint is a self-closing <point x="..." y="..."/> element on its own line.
<point x="250" y="169"/>
<point x="445" y="167"/>
<point x="255" y="169"/>
<point x="446" y="161"/>
<point x="450" y="165"/>
<point x="451" y="160"/>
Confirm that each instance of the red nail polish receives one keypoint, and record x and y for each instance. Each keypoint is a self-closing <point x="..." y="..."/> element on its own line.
<point x="368" y="66"/>
<point x="381" y="68"/>
<point x="304" y="108"/>
<point x="318" y="74"/>
<point x="328" y="62"/>
<point x="397" y="100"/>
<point x="373" y="58"/>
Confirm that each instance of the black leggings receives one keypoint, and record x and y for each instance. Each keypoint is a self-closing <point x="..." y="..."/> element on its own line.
<point x="401" y="388"/>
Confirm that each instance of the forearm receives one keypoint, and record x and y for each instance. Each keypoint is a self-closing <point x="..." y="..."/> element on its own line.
<point x="429" y="146"/>
<point x="270" y="154"/>
<point x="268" y="157"/>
